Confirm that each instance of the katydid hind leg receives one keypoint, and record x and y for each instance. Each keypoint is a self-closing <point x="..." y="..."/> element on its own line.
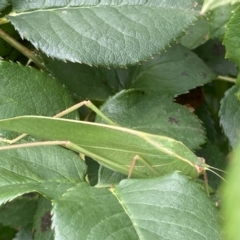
<point x="89" y="104"/>
<point x="139" y="158"/>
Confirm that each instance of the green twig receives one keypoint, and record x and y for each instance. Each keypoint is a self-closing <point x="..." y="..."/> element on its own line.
<point x="25" y="51"/>
<point x="228" y="79"/>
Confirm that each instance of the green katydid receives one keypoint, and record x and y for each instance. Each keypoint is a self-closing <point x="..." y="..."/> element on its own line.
<point x="112" y="146"/>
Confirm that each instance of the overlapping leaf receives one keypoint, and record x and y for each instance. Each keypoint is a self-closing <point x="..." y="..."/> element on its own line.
<point x="171" y="207"/>
<point x="155" y="114"/>
<point x="171" y="73"/>
<point x="50" y="170"/>
<point x="24" y="90"/>
<point x="230" y="115"/>
<point x="231" y="38"/>
<point x="103" y="32"/>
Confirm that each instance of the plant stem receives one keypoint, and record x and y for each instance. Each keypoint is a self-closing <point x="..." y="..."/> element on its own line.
<point x="25" y="51"/>
<point x="228" y="79"/>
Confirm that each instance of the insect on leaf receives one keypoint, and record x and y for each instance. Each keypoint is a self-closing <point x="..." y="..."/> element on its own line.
<point x="112" y="146"/>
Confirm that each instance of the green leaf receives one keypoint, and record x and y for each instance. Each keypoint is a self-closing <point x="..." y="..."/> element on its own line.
<point x="231" y="198"/>
<point x="196" y="34"/>
<point x="231" y="38"/>
<point x="102" y="32"/>
<point x="154" y="114"/>
<point x="19" y="212"/>
<point x="49" y="170"/>
<point x="170" y="207"/>
<point x="171" y="73"/>
<point x="24" y="90"/>
<point x="112" y="146"/>
<point x="43" y="220"/>
<point x="229" y="114"/>
<point x="83" y="81"/>
<point x="218" y="19"/>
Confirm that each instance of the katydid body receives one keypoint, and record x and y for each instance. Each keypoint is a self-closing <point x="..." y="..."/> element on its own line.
<point x="113" y="146"/>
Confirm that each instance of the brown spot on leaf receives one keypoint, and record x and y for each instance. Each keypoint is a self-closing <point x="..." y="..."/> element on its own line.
<point x="46" y="221"/>
<point x="203" y="74"/>
<point x="184" y="74"/>
<point x="173" y="120"/>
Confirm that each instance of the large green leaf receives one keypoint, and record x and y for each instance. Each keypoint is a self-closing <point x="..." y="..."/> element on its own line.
<point x="231" y="38"/>
<point x="50" y="170"/>
<point x="154" y="114"/>
<point x="170" y="207"/>
<point x="231" y="199"/>
<point x="112" y="146"/>
<point x="171" y="73"/>
<point x="24" y="90"/>
<point x="102" y="32"/>
<point x="230" y="115"/>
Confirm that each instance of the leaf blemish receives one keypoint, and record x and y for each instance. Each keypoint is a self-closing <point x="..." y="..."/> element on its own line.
<point x="46" y="221"/>
<point x="173" y="120"/>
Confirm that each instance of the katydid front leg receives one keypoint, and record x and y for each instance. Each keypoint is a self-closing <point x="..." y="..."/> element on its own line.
<point x="88" y="104"/>
<point x="139" y="158"/>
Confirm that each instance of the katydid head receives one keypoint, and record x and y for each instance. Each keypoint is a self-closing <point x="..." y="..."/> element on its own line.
<point x="202" y="167"/>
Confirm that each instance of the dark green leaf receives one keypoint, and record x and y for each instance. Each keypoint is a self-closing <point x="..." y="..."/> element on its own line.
<point x="171" y="73"/>
<point x="83" y="81"/>
<point x="19" y="212"/>
<point x="229" y="114"/>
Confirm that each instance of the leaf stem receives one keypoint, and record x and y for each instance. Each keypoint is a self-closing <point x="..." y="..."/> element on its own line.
<point x="25" y="51"/>
<point x="225" y="78"/>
